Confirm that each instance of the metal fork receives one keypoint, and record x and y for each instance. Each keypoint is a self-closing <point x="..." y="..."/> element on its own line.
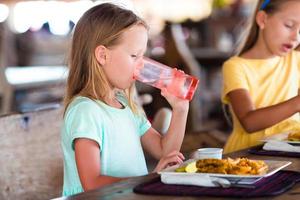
<point x="227" y="184"/>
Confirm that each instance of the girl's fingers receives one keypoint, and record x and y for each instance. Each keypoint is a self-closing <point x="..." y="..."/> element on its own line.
<point x="181" y="156"/>
<point x="173" y="158"/>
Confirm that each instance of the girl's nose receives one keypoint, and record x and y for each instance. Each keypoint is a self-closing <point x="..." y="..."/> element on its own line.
<point x="140" y="62"/>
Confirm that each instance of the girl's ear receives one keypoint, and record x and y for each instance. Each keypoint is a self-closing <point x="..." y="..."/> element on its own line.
<point x="261" y="19"/>
<point x="100" y="53"/>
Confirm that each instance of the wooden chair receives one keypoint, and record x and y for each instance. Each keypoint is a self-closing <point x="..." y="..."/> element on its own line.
<point x="31" y="161"/>
<point x="179" y="55"/>
<point x="2" y="76"/>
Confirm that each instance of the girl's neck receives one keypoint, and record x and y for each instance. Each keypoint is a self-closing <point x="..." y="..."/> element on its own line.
<point x="260" y="50"/>
<point x="113" y="102"/>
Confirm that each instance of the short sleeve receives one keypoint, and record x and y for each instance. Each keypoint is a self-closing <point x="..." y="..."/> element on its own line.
<point x="143" y="124"/>
<point x="83" y="121"/>
<point x="233" y="78"/>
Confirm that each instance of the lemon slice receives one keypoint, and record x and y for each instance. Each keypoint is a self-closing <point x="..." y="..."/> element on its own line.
<point x="180" y="169"/>
<point x="191" y="167"/>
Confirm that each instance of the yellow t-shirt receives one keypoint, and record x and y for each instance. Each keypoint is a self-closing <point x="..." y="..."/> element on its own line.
<point x="269" y="82"/>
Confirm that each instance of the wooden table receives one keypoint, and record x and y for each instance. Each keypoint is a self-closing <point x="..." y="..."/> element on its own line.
<point x="123" y="190"/>
<point x="30" y="88"/>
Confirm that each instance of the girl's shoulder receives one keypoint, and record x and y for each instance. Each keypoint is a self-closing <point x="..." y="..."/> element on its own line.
<point x="81" y="103"/>
<point x="234" y="61"/>
<point x="253" y="61"/>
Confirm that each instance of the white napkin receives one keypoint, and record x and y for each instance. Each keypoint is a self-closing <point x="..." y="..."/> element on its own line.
<point x="199" y="180"/>
<point x="275" y="145"/>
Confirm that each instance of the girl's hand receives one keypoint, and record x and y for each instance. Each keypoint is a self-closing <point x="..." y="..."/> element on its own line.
<point x="173" y="158"/>
<point x="178" y="104"/>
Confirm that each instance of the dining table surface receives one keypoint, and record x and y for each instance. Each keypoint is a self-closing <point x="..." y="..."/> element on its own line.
<point x="124" y="189"/>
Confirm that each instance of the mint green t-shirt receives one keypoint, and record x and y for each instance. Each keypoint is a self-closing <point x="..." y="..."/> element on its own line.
<point x="118" y="133"/>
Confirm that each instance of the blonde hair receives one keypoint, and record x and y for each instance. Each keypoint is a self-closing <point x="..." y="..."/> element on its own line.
<point x="251" y="34"/>
<point x="100" y="25"/>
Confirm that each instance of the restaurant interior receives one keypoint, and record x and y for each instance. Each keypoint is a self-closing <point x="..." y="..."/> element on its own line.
<point x="195" y="36"/>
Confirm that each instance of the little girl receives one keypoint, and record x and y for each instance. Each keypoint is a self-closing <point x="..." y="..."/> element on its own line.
<point x="104" y="131"/>
<point x="262" y="82"/>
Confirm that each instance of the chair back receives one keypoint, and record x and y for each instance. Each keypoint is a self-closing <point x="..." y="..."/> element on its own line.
<point x="178" y="54"/>
<point x="31" y="161"/>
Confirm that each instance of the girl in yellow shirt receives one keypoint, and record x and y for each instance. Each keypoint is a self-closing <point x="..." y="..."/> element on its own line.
<point x="261" y="84"/>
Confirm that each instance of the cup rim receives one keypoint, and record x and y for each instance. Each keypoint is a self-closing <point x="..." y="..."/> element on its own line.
<point x="210" y="150"/>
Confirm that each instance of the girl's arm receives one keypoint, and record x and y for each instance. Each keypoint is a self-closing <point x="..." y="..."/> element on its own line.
<point x="159" y="146"/>
<point x="87" y="155"/>
<point x="253" y="119"/>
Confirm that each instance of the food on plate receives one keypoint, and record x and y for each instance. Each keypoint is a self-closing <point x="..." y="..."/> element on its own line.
<point x="180" y="169"/>
<point x="294" y="136"/>
<point x="239" y="166"/>
<point x="191" y="167"/>
<point x="213" y="166"/>
<point x="247" y="166"/>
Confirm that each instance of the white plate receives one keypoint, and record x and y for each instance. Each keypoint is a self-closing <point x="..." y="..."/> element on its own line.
<point x="280" y="137"/>
<point x="273" y="167"/>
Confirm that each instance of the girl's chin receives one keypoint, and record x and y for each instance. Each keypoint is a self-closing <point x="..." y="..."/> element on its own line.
<point x="283" y="53"/>
<point x="125" y="86"/>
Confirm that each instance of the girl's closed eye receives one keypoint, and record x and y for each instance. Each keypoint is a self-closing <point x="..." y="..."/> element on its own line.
<point x="289" y="24"/>
<point x="136" y="56"/>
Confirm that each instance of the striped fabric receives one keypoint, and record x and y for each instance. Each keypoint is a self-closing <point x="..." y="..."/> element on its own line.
<point x="260" y="151"/>
<point x="269" y="186"/>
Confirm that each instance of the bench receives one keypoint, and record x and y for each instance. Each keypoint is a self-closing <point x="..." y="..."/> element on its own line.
<point x="31" y="161"/>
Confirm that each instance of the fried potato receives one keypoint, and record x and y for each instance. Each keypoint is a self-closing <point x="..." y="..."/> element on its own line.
<point x="294" y="136"/>
<point x="240" y="170"/>
<point x="253" y="167"/>
<point x="239" y="166"/>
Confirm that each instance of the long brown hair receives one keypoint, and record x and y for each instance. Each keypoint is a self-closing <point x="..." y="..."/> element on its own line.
<point x="100" y="25"/>
<point x="251" y="34"/>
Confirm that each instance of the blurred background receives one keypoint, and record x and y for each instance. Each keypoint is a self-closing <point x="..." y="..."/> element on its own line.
<point x="196" y="36"/>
